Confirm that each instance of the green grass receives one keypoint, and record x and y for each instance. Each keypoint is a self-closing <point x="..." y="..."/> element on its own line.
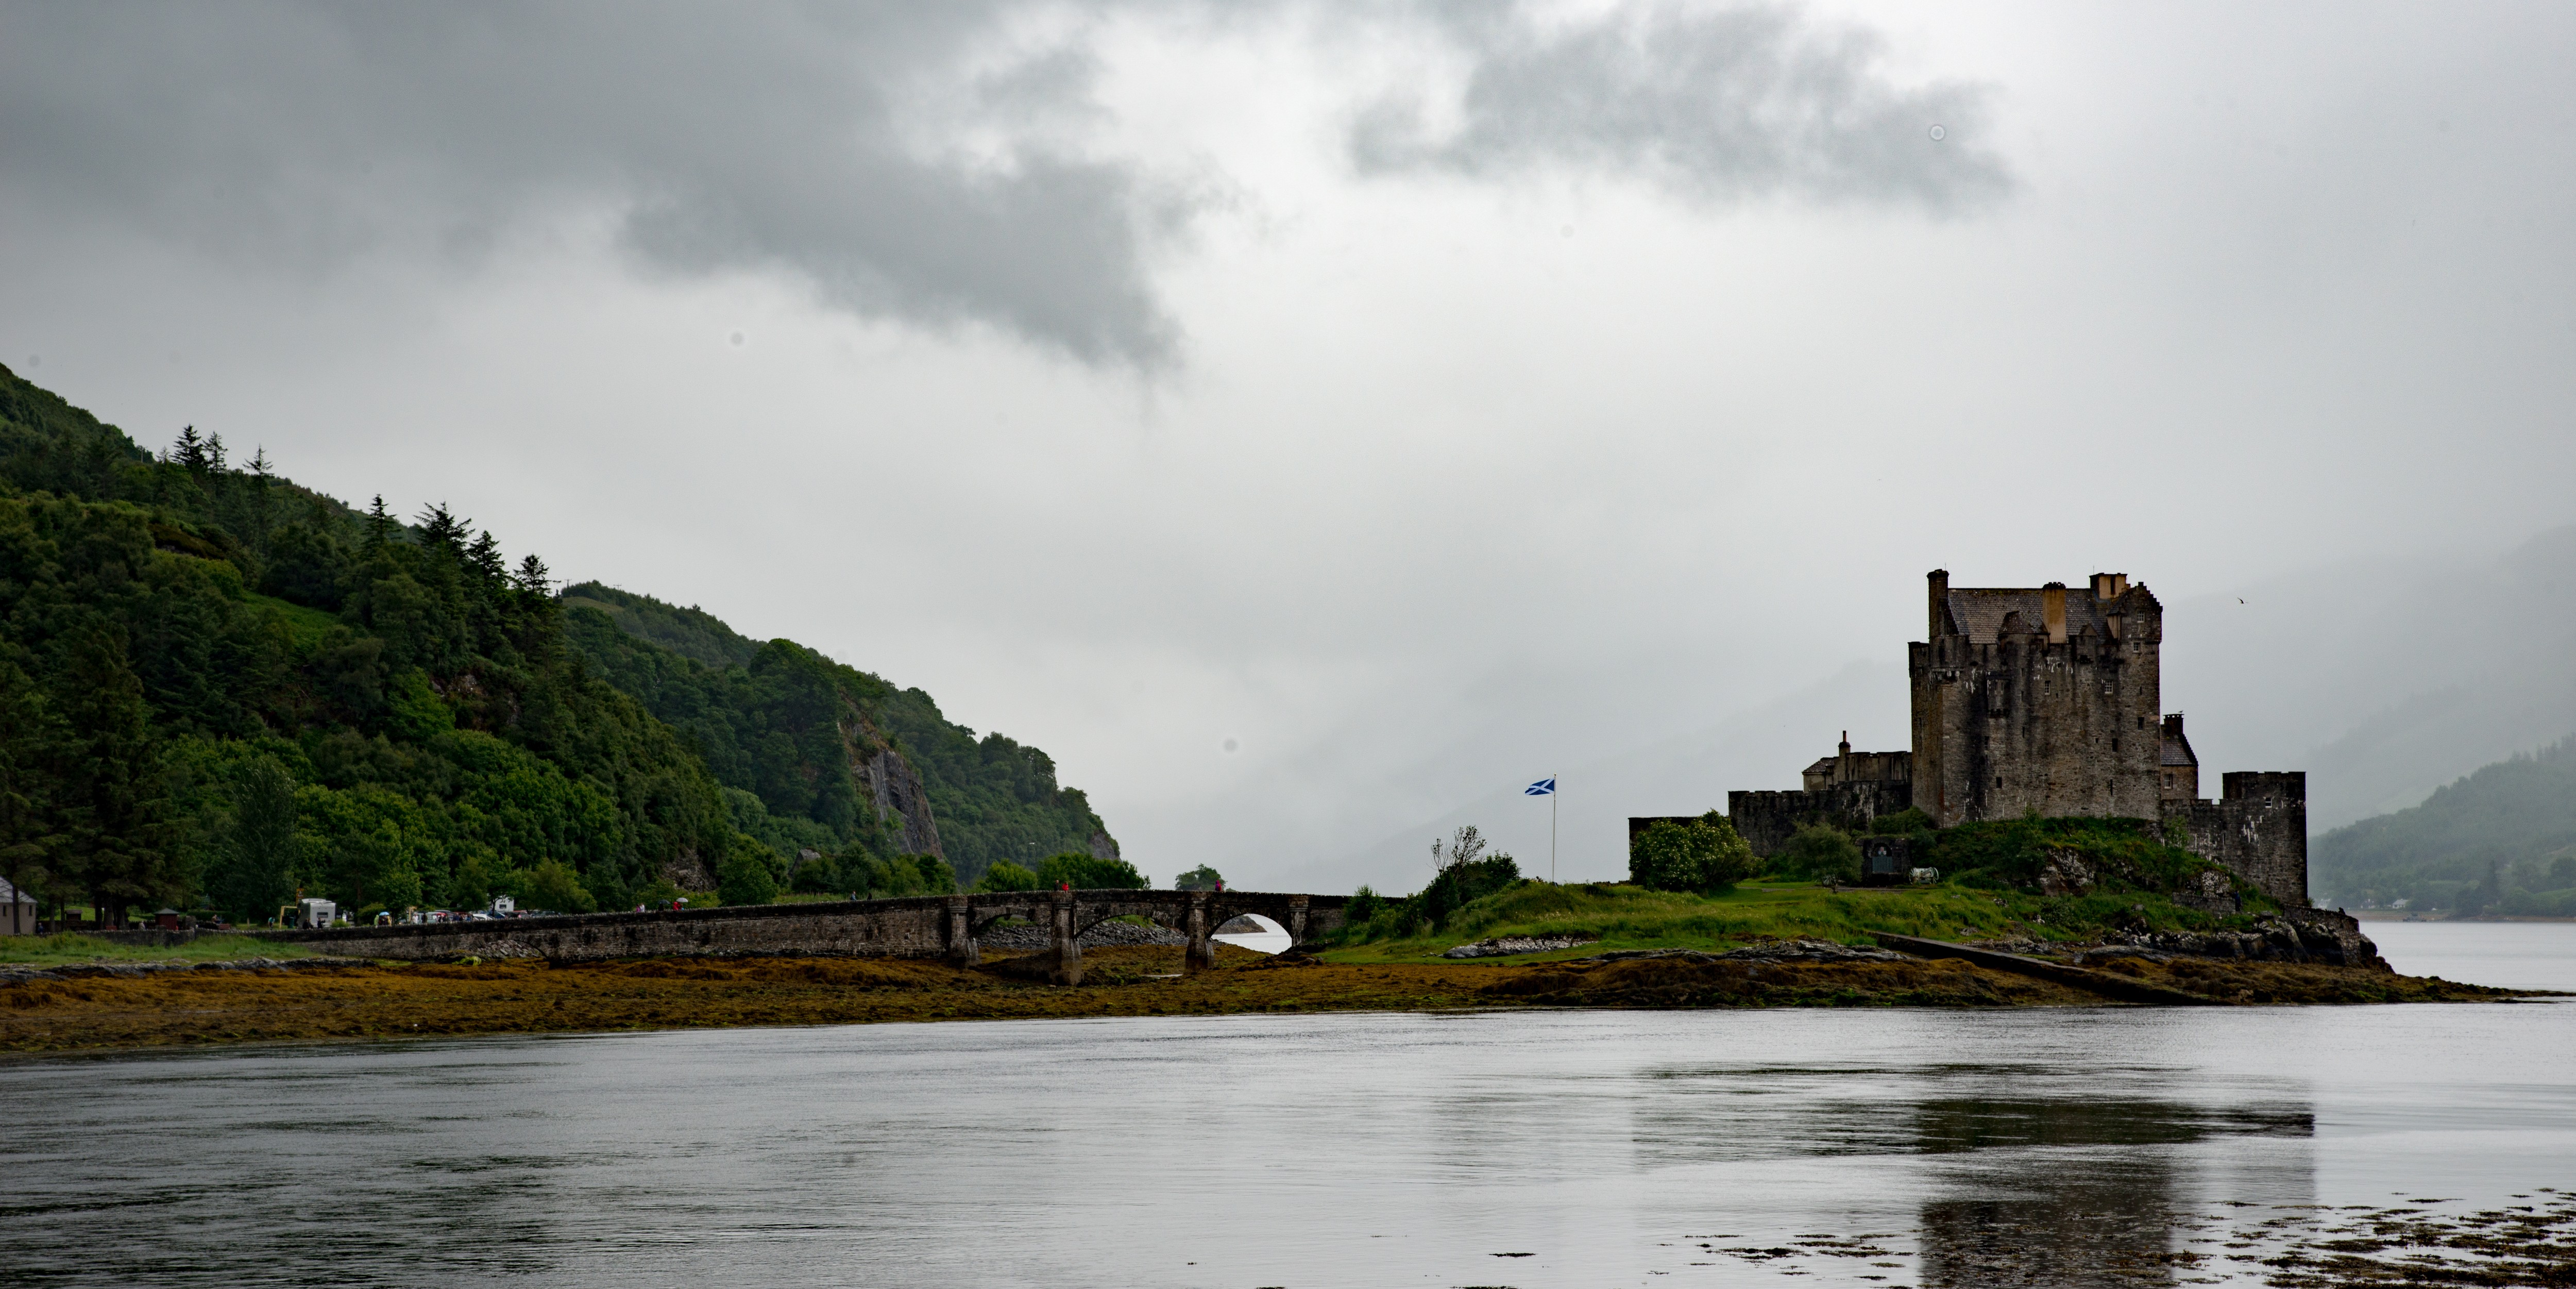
<point x="65" y="948"/>
<point x="1631" y="917"/>
<point x="305" y="626"/>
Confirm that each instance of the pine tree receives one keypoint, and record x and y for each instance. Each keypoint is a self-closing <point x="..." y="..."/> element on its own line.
<point x="259" y="849"/>
<point x="533" y="576"/>
<point x="441" y="530"/>
<point x="113" y="801"/>
<point x="190" y="450"/>
<point x="380" y="525"/>
<point x="26" y="835"/>
<point x="489" y="566"/>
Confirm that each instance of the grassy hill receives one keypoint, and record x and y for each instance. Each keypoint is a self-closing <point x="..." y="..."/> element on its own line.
<point x="2048" y="879"/>
<point x="2499" y="841"/>
<point x="786" y="730"/>
<point x="219" y="689"/>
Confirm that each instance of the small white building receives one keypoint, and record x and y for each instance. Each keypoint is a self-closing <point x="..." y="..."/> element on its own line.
<point x="504" y="905"/>
<point x="17" y="910"/>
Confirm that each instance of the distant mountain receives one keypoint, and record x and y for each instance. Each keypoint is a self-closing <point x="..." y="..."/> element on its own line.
<point x="2382" y="678"/>
<point x="2500" y="840"/>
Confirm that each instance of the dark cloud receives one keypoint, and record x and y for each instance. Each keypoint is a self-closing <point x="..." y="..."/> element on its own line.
<point x="924" y="162"/>
<point x="1720" y="105"/>
<point x="722" y="137"/>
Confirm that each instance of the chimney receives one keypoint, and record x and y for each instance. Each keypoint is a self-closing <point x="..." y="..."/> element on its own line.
<point x="2102" y="587"/>
<point x="1940" y="578"/>
<point x="2052" y="610"/>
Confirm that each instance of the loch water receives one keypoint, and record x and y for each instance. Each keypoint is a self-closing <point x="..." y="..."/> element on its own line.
<point x="1871" y="1147"/>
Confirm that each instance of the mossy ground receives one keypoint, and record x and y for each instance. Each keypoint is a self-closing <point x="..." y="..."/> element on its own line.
<point x="526" y="996"/>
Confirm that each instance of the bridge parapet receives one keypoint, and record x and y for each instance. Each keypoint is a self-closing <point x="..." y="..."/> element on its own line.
<point x="928" y="926"/>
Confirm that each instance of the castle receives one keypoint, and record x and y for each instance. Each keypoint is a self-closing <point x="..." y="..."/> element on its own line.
<point x="2046" y="700"/>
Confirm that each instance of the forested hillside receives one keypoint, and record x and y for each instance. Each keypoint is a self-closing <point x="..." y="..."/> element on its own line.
<point x="803" y="737"/>
<point x="218" y="689"/>
<point x="2502" y="840"/>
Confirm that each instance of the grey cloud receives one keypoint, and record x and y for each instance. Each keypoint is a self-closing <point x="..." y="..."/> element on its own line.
<point x="1722" y="105"/>
<point x="728" y="137"/>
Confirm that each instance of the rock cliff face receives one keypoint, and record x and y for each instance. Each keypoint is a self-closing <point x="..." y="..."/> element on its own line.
<point x="900" y="799"/>
<point x="889" y="783"/>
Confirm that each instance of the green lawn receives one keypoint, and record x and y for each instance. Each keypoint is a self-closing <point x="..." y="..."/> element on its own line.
<point x="1630" y="917"/>
<point x="70" y="947"/>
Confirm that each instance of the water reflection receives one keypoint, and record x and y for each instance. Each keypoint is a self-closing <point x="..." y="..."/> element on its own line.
<point x="2068" y="1174"/>
<point x="2089" y="1149"/>
<point x="2084" y="1192"/>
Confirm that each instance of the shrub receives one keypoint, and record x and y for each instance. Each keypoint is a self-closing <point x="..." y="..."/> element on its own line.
<point x="551" y="886"/>
<point x="1904" y="823"/>
<point x="815" y="876"/>
<point x="744" y="875"/>
<point x="1006" y="876"/>
<point x="881" y="879"/>
<point x="1820" y="852"/>
<point x="1086" y="872"/>
<point x="1364" y="905"/>
<point x="1704" y="854"/>
<point x="1201" y="878"/>
<point x="1460" y="885"/>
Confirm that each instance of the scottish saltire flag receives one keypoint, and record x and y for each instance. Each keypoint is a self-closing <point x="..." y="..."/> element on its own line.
<point x="1542" y="788"/>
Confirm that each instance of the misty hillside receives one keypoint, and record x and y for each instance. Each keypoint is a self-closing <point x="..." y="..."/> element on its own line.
<point x="2502" y="839"/>
<point x="797" y="740"/>
<point x="2382" y="679"/>
<point x="218" y="688"/>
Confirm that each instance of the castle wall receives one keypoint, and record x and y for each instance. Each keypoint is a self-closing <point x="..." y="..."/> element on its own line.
<point x="1766" y="819"/>
<point x="2258" y="827"/>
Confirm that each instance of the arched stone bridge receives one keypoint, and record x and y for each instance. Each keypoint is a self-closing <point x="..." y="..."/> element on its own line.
<point x="1067" y="914"/>
<point x="931" y="926"/>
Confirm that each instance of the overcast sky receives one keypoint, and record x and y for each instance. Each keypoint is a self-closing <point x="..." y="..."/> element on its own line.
<point x="1306" y="422"/>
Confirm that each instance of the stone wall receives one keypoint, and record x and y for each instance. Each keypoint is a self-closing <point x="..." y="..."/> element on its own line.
<point x="929" y="926"/>
<point x="2258" y="828"/>
<point x="1766" y="819"/>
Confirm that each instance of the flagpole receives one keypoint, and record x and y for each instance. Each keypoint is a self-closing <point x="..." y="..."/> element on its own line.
<point x="1556" y="787"/>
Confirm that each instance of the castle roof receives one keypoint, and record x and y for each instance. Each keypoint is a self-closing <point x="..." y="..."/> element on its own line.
<point x="1979" y="612"/>
<point x="2176" y="751"/>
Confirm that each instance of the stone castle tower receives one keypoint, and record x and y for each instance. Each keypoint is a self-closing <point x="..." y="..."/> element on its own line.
<point x="2047" y="699"/>
<point x="2040" y="699"/>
